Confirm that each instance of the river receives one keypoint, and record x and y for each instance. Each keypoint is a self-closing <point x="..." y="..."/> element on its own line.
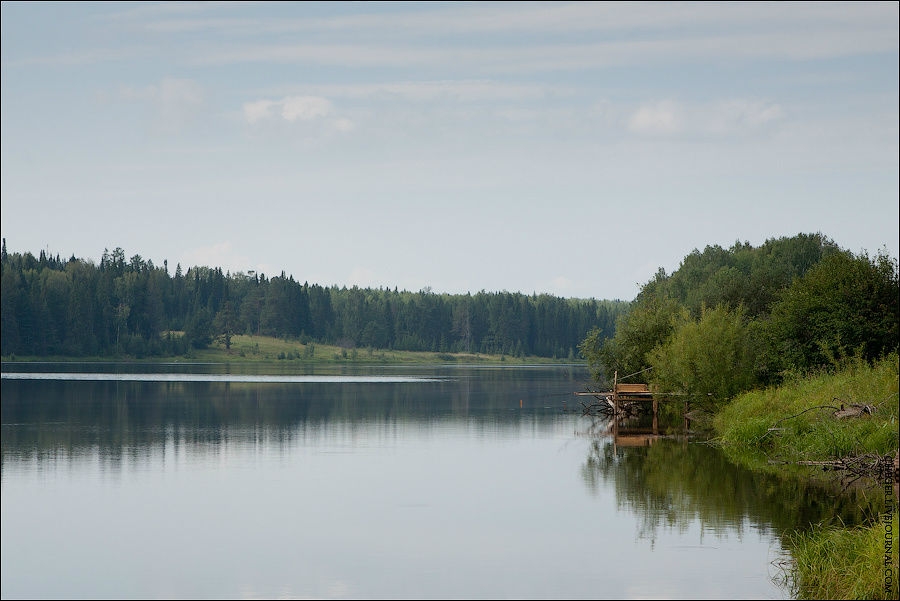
<point x="282" y="480"/>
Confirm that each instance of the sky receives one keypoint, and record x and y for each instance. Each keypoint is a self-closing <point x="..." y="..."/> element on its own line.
<point x="569" y="148"/>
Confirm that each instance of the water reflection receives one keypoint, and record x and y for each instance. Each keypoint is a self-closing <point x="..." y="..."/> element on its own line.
<point x="44" y="419"/>
<point x="469" y="486"/>
<point x="671" y="482"/>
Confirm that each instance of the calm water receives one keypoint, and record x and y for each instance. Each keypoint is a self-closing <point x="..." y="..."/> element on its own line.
<point x="177" y="481"/>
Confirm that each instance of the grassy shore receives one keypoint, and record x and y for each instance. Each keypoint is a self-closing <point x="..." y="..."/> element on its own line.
<point x="773" y="429"/>
<point x="251" y="349"/>
<point x="814" y="434"/>
<point x="835" y="562"/>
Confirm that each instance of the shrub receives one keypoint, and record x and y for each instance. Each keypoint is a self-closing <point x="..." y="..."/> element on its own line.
<point x="712" y="357"/>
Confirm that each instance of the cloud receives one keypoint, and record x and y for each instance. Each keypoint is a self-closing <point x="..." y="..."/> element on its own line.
<point x="305" y="108"/>
<point x="722" y="117"/>
<point x="294" y="109"/>
<point x="670" y="47"/>
<point x="258" y="110"/>
<point x="658" y="118"/>
<point x="614" y="34"/>
<point x="344" y="124"/>
<point x="290" y="108"/>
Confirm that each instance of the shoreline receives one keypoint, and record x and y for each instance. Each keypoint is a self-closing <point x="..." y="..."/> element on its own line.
<point x="830" y="560"/>
<point x="267" y="350"/>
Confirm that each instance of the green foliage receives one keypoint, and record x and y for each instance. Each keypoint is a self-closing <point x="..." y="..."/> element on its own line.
<point x="815" y="435"/>
<point x="647" y="325"/>
<point x="225" y="324"/>
<point x="803" y="303"/>
<point x="199" y="330"/>
<point x="844" y="305"/>
<point x="57" y="307"/>
<point x="833" y="562"/>
<point x="743" y="275"/>
<point x="711" y="358"/>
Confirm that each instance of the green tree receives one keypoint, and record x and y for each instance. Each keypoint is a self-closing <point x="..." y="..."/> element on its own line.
<point x="844" y="305"/>
<point x="712" y="357"/>
<point x="199" y="329"/>
<point x="647" y="325"/>
<point x="225" y="324"/>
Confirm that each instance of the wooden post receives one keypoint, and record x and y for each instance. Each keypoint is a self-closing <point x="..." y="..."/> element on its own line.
<point x="655" y="415"/>
<point x="616" y="395"/>
<point x="686" y="420"/>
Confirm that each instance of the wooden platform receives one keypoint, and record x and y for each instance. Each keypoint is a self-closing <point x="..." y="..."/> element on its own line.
<point x="632" y="392"/>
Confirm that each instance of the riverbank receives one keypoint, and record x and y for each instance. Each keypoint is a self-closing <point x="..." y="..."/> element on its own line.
<point x="260" y="349"/>
<point x="774" y="429"/>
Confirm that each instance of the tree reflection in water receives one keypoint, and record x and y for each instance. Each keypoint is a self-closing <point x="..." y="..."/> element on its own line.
<point x="674" y="483"/>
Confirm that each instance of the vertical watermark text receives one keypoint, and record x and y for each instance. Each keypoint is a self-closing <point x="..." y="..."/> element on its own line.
<point x="888" y="478"/>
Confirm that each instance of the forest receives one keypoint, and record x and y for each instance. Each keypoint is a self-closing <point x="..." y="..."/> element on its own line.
<point x="732" y="320"/>
<point x="131" y="307"/>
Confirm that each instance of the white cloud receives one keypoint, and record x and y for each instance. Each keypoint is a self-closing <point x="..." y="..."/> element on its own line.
<point x="305" y="108"/>
<point x="344" y="124"/>
<point x="658" y="118"/>
<point x="723" y="117"/>
<point x="291" y="109"/>
<point x="258" y="110"/>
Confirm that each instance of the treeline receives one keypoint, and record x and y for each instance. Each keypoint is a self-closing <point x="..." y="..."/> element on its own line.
<point x="729" y="320"/>
<point x="53" y="306"/>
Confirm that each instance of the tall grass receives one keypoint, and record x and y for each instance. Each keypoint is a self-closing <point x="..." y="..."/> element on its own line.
<point x="816" y="434"/>
<point x="831" y="562"/>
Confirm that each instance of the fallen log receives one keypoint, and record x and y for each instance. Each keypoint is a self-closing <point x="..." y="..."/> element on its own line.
<point x="870" y="464"/>
<point x="853" y="411"/>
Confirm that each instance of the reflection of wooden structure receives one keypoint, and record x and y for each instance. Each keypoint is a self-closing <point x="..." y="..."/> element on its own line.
<point x="634" y="438"/>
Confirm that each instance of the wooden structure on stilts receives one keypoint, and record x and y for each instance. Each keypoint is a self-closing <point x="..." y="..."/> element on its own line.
<point x="624" y="401"/>
<point x="621" y="401"/>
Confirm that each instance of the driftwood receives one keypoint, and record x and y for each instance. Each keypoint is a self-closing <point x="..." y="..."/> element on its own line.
<point x="870" y="465"/>
<point x="605" y="407"/>
<point x="854" y="411"/>
<point x="842" y="412"/>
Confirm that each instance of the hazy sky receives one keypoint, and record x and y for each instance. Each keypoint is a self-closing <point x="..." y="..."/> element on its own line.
<point x="564" y="148"/>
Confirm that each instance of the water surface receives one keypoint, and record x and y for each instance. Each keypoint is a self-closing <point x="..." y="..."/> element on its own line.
<point x="338" y="481"/>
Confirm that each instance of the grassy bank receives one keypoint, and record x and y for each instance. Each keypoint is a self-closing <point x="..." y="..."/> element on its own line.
<point x="815" y="434"/>
<point x="250" y="349"/>
<point x="772" y="429"/>
<point x="833" y="562"/>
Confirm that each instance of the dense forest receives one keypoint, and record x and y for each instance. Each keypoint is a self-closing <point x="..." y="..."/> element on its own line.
<point x="53" y="306"/>
<point x="730" y="320"/>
